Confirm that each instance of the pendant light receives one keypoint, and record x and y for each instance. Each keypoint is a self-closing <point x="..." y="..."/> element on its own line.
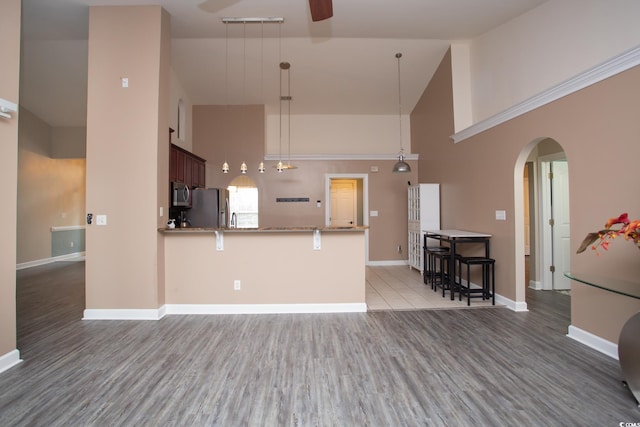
<point x="401" y="166"/>
<point x="280" y="166"/>
<point x="287" y="68"/>
<point x="225" y="165"/>
<point x="243" y="166"/>
<point x="244" y="21"/>
<point x="261" y="165"/>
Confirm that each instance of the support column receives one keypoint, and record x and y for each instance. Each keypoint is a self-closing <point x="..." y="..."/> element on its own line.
<point x="127" y="159"/>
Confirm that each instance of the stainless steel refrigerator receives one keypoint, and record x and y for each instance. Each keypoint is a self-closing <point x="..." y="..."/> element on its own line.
<point x="209" y="208"/>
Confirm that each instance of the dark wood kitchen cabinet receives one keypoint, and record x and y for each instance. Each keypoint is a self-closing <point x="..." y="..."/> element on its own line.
<point x="186" y="167"/>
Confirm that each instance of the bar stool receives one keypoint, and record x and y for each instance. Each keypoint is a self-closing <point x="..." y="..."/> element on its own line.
<point x="487" y="290"/>
<point x="435" y="259"/>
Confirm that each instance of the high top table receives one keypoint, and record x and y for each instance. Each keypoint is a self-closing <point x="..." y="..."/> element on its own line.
<point x="629" y="339"/>
<point x="455" y="237"/>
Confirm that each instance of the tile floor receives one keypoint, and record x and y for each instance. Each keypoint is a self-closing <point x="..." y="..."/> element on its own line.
<point x="400" y="288"/>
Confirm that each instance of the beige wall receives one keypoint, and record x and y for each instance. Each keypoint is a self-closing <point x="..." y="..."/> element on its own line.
<point x="52" y="191"/>
<point x="273" y="268"/>
<point x="237" y="134"/>
<point x="9" y="89"/>
<point x="127" y="155"/>
<point x="69" y="142"/>
<point x="597" y="127"/>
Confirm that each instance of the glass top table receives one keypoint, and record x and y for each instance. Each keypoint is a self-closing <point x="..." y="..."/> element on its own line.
<point x="618" y="286"/>
<point x="629" y="339"/>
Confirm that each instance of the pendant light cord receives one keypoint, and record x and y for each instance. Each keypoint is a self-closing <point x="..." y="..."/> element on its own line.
<point x="398" y="56"/>
<point x="289" y="115"/>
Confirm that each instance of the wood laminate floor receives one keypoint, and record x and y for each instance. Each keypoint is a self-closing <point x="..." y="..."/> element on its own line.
<point x="483" y="367"/>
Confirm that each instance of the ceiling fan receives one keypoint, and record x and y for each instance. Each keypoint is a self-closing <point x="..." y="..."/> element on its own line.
<point x="321" y="9"/>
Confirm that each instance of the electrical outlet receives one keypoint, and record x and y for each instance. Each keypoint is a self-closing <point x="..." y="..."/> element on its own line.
<point x="236" y="285"/>
<point x="101" y="219"/>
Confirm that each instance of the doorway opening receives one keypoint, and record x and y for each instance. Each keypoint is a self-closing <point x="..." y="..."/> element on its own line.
<point x="542" y="228"/>
<point x="347" y="202"/>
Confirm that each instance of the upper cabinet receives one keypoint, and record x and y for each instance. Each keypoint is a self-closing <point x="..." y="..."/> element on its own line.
<point x="186" y="167"/>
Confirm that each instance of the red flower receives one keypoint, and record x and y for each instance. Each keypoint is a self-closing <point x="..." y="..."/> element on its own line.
<point x="622" y="219"/>
<point x="630" y="230"/>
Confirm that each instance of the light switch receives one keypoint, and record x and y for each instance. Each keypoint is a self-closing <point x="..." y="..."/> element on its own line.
<point x="125" y="82"/>
<point x="101" y="220"/>
<point x="373" y="213"/>
<point x="501" y="215"/>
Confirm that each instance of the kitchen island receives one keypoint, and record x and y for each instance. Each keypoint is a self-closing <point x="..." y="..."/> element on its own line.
<point x="264" y="270"/>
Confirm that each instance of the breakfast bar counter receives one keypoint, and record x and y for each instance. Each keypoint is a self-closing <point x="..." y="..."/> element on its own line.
<point x="264" y="270"/>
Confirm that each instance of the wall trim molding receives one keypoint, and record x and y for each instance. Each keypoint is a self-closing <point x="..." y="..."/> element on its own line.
<point x="181" y="309"/>
<point x="265" y="308"/>
<point x="9" y="360"/>
<point x="595" y="342"/>
<point x="77" y="256"/>
<point x="67" y="228"/>
<point x="388" y="263"/>
<point x="330" y="157"/>
<point x="516" y="306"/>
<point x="123" y="314"/>
<point x="613" y="66"/>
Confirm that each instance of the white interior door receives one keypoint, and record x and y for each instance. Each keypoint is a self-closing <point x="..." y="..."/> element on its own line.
<point x="561" y="226"/>
<point x="343" y="202"/>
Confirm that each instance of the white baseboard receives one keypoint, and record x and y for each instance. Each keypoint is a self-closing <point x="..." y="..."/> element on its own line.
<point x="388" y="263"/>
<point x="123" y="314"/>
<point x="9" y="360"/>
<point x="595" y="342"/>
<point x="264" y="308"/>
<point x="511" y="304"/>
<point x="78" y="256"/>
<point x="535" y="285"/>
<point x="169" y="309"/>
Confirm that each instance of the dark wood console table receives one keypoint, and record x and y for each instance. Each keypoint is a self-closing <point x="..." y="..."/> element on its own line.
<point x="629" y="340"/>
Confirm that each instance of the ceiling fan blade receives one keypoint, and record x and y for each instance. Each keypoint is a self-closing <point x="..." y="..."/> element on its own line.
<point x="321" y="9"/>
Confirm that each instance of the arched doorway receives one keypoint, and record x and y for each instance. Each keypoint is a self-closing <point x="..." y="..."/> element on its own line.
<point x="544" y="228"/>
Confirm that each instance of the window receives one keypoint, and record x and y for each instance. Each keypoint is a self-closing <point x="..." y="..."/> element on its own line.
<point x="182" y="120"/>
<point x="243" y="202"/>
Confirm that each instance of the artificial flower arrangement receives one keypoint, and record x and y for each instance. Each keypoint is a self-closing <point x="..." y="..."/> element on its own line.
<point x="629" y="230"/>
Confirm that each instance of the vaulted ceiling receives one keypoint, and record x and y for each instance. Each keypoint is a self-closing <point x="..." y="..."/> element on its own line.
<point x="342" y="65"/>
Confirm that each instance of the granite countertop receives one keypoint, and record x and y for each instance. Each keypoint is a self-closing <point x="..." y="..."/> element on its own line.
<point x="259" y="229"/>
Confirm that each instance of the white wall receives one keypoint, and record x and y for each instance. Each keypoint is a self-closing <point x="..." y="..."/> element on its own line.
<point x="547" y="46"/>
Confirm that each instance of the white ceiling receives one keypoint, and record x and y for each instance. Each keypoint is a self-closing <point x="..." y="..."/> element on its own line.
<point x="343" y="65"/>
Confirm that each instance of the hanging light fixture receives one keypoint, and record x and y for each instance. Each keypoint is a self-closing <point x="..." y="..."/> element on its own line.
<point x="225" y="165"/>
<point x="261" y="165"/>
<point x="243" y="166"/>
<point x="287" y="68"/>
<point x="280" y="166"/>
<point x="244" y="21"/>
<point x="401" y="166"/>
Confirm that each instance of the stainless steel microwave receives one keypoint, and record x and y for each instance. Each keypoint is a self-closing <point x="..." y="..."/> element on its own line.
<point x="180" y="194"/>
